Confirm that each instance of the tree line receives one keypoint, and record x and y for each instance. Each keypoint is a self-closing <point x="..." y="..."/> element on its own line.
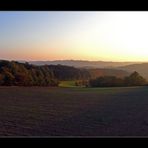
<point x="24" y="74"/>
<point x="133" y="79"/>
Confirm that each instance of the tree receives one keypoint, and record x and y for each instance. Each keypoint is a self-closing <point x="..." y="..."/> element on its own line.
<point x="1" y="79"/>
<point x="110" y="81"/>
<point x="8" y="78"/>
<point x="106" y="81"/>
<point x="135" y="80"/>
<point x="25" y="74"/>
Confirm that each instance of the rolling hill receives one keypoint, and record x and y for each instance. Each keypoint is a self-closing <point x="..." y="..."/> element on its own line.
<point x="97" y="72"/>
<point x="142" y="69"/>
<point x="82" y="63"/>
<point x="25" y="74"/>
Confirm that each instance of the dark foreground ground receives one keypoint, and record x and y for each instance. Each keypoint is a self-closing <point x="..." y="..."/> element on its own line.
<point x="39" y="111"/>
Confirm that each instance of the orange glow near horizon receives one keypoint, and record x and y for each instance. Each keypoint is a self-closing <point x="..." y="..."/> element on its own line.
<point x="93" y="36"/>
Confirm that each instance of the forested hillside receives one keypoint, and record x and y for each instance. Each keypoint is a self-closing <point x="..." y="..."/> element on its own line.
<point x="24" y="74"/>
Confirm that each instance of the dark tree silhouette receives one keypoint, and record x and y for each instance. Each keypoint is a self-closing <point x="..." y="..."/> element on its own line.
<point x="110" y="81"/>
<point x="135" y="80"/>
<point x="24" y="74"/>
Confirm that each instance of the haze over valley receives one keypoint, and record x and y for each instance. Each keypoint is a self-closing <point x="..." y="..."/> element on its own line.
<point x="140" y="67"/>
<point x="73" y="73"/>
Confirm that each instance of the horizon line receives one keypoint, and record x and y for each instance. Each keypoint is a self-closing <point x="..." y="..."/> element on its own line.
<point x="74" y="60"/>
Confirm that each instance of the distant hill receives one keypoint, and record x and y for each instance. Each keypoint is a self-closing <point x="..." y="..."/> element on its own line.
<point x="25" y="74"/>
<point x="95" y="68"/>
<point x="97" y="72"/>
<point x="142" y="69"/>
<point x="82" y="63"/>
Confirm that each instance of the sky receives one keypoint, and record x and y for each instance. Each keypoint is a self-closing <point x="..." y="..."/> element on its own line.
<point x="76" y="35"/>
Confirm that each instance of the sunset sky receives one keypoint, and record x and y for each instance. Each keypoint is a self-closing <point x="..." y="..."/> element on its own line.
<point x="84" y="35"/>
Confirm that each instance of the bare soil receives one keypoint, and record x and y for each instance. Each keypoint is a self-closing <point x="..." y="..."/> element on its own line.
<point x="45" y="111"/>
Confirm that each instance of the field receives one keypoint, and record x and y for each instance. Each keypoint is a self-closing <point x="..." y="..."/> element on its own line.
<point x="45" y="111"/>
<point x="67" y="84"/>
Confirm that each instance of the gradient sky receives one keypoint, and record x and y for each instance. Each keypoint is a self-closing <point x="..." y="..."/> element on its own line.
<point x="96" y="35"/>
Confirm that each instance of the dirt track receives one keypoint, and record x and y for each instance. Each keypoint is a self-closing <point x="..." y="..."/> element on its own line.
<point x="45" y="111"/>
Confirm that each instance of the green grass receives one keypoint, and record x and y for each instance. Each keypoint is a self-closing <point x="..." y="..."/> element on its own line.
<point x="67" y="84"/>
